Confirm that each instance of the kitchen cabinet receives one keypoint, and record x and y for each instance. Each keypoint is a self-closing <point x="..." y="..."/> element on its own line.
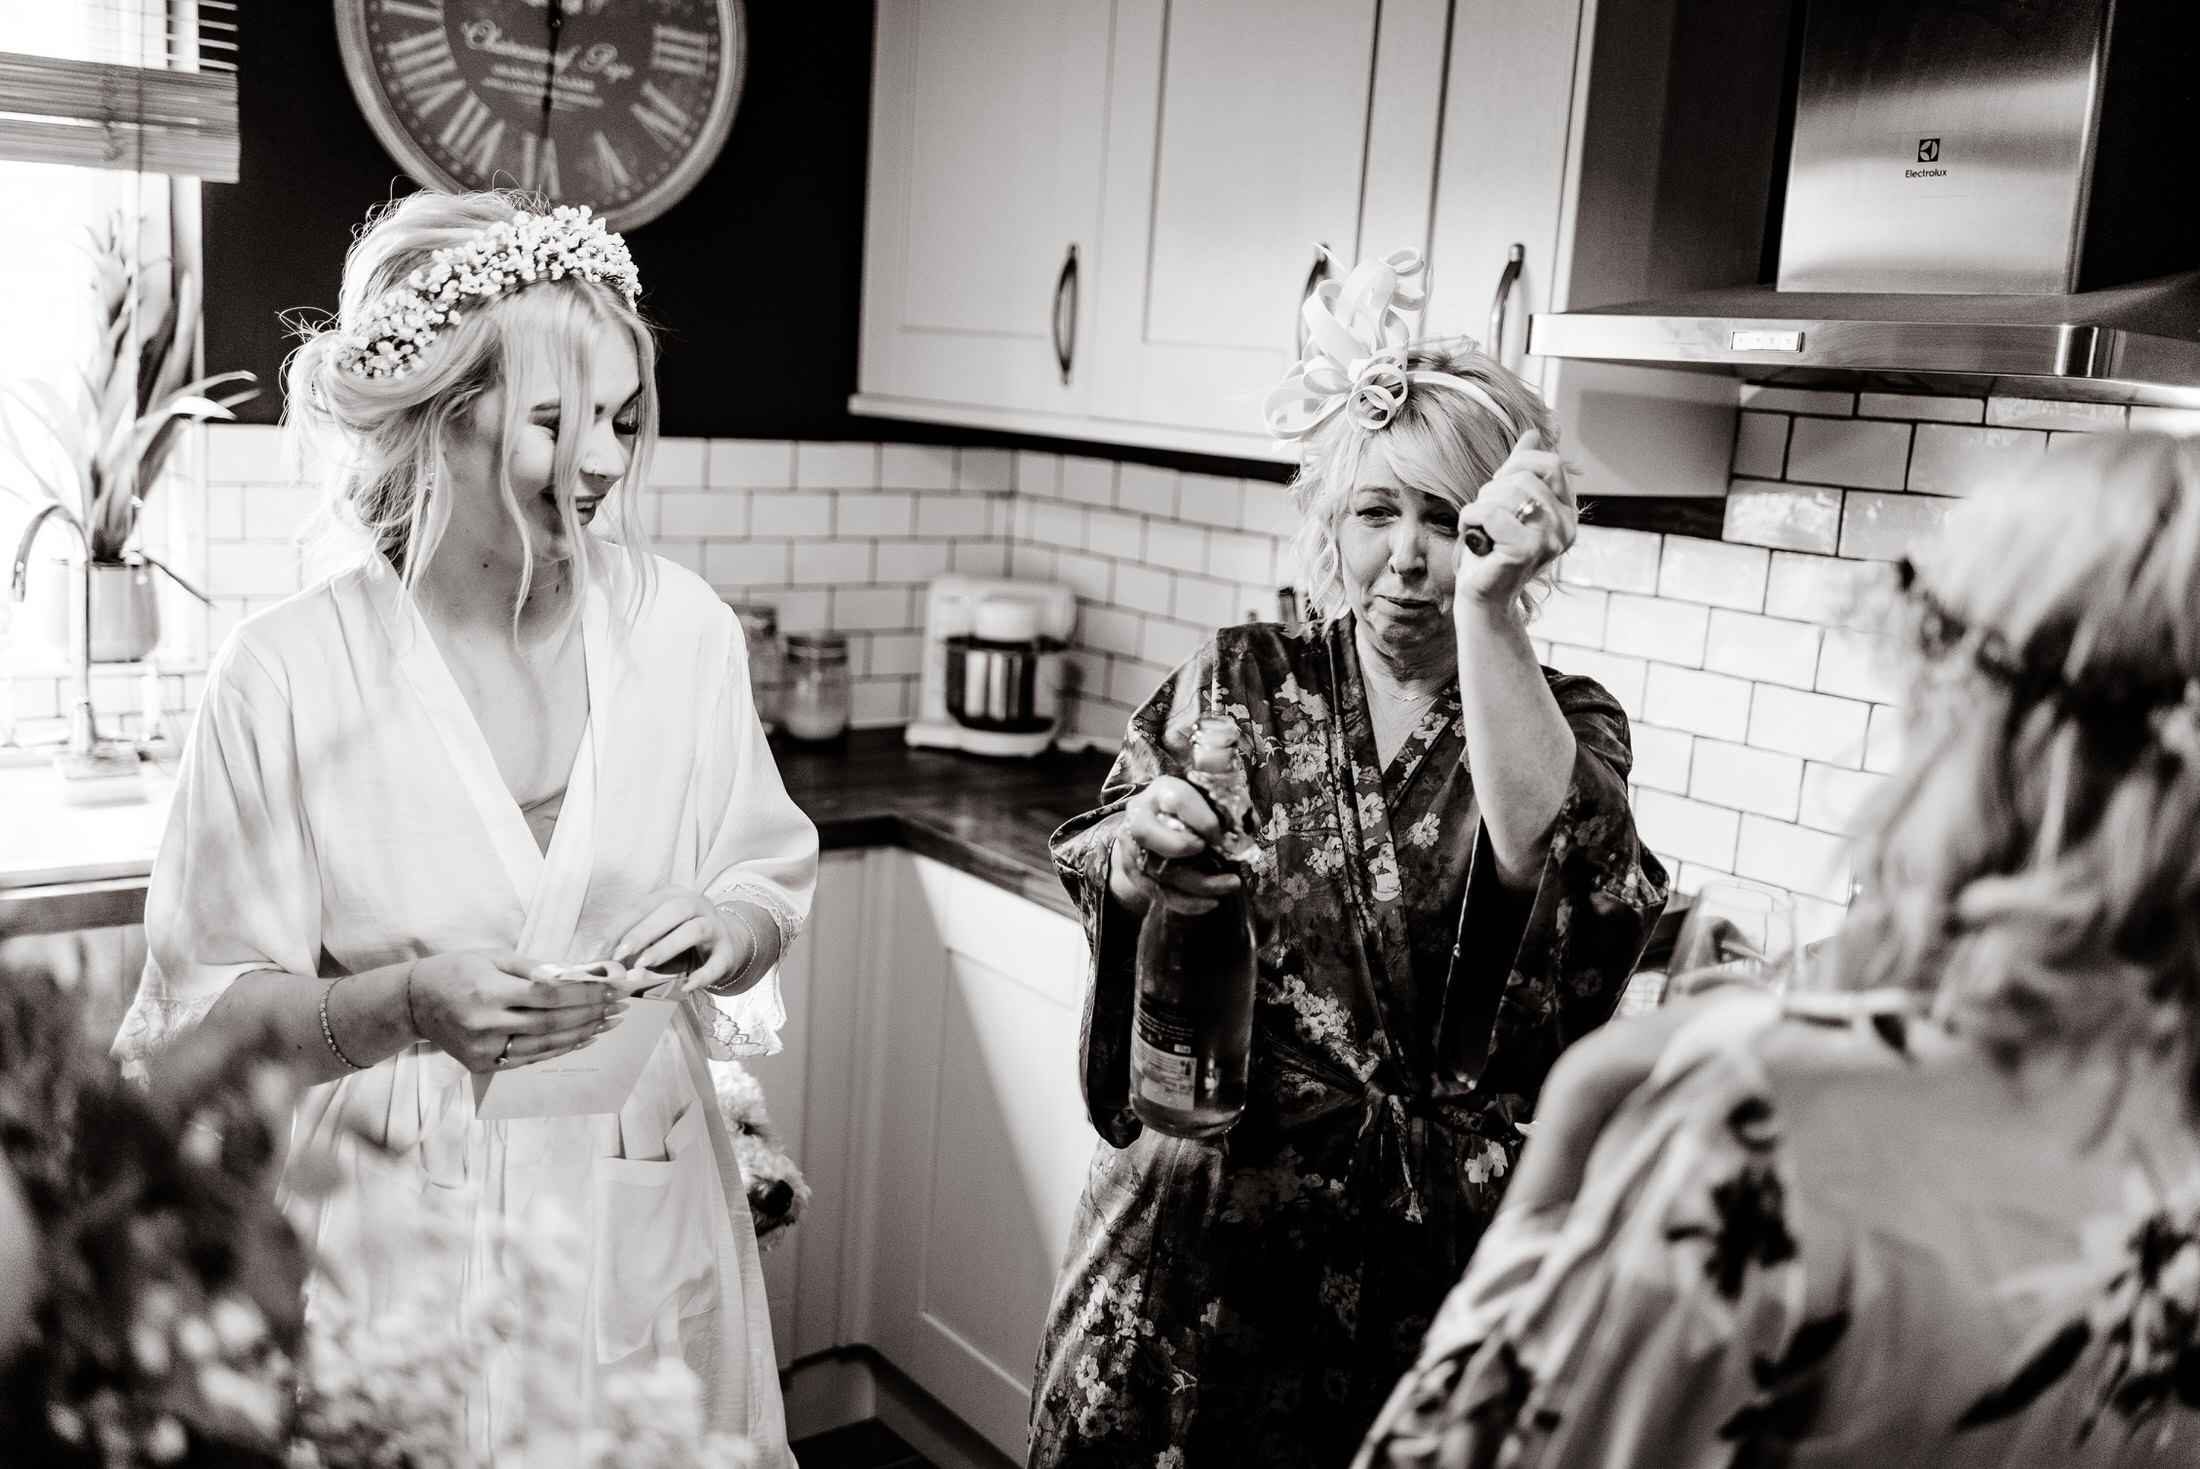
<point x="1628" y="151"/>
<point x="1501" y="182"/>
<point x="1226" y="140"/>
<point x="930" y="1093"/>
<point x="987" y="138"/>
<point x="1241" y="133"/>
<point x="1196" y="153"/>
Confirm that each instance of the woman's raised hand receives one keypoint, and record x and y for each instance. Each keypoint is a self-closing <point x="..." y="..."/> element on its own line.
<point x="1167" y="820"/>
<point x="1528" y="512"/>
<point x="492" y="1008"/>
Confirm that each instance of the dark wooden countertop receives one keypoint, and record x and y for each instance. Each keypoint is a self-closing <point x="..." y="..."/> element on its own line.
<point x="989" y="818"/>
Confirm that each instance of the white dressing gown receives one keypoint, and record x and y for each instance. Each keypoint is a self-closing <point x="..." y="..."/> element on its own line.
<point x="338" y="809"/>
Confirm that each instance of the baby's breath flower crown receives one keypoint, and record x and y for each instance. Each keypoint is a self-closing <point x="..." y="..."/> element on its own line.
<point x="505" y="256"/>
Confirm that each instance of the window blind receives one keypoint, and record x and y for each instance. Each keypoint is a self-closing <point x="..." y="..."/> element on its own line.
<point x="148" y="86"/>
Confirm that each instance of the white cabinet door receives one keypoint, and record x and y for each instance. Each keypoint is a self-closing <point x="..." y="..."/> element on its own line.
<point x="1508" y="109"/>
<point x="1241" y="135"/>
<point x="1518" y="170"/>
<point x="984" y="1144"/>
<point x="811" y="1093"/>
<point x="987" y="125"/>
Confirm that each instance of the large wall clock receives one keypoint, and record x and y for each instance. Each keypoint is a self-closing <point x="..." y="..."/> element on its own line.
<point x="618" y="104"/>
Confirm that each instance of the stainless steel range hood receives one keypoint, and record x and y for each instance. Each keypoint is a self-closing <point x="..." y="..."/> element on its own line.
<point x="2127" y="344"/>
<point x="1982" y="195"/>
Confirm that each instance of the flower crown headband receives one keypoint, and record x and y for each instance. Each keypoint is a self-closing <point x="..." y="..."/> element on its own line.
<point x="1356" y="343"/>
<point x="502" y="257"/>
<point x="2111" y="700"/>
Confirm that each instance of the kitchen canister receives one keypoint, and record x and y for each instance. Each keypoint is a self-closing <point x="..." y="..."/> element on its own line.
<point x="815" y="705"/>
<point x="767" y="658"/>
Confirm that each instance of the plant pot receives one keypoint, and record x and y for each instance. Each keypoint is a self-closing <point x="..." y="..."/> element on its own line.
<point x="125" y="608"/>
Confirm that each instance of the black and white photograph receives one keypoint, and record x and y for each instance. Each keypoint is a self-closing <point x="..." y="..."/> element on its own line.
<point x="1100" y="734"/>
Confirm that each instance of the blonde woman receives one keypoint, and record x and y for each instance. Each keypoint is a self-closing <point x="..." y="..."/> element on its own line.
<point x="500" y="739"/>
<point x="1948" y="1216"/>
<point x="1453" y="890"/>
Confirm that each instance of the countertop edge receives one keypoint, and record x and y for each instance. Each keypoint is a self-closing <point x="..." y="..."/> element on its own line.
<point x="853" y="833"/>
<point x="118" y="899"/>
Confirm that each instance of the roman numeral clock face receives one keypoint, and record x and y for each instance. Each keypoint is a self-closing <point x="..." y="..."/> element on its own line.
<point x="618" y="104"/>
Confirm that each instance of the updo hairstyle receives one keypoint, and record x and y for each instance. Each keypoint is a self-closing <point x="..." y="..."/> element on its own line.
<point x="1439" y="441"/>
<point x="377" y="444"/>
<point x="2036" y="862"/>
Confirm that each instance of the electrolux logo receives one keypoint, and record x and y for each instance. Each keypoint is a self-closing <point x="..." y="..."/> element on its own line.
<point x="1928" y="151"/>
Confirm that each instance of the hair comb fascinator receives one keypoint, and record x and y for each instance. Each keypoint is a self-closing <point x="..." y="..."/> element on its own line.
<point x="568" y="241"/>
<point x="1356" y="342"/>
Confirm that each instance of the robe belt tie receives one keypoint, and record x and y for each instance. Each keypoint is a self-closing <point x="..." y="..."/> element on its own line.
<point x="1396" y="1142"/>
<point x="1393" y="1139"/>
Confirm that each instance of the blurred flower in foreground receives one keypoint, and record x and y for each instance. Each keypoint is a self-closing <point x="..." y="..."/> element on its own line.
<point x="170" y="1321"/>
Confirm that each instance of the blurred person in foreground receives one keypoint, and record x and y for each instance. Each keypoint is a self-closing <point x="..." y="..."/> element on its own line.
<point x="1948" y="1213"/>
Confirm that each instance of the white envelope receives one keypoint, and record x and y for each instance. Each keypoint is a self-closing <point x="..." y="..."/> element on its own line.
<point x="597" y="1078"/>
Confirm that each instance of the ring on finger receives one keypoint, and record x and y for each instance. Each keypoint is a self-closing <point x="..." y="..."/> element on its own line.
<point x="504" y="1057"/>
<point x="1526" y="511"/>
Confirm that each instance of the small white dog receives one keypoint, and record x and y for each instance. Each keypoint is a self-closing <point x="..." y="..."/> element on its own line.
<point x="777" y="1192"/>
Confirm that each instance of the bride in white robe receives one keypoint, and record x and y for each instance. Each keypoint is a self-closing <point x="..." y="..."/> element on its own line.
<point x="400" y="802"/>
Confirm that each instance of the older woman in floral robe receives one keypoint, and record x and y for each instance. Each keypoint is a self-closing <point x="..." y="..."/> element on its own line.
<point x="1253" y="1299"/>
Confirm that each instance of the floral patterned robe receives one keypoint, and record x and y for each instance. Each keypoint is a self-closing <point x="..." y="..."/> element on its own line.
<point x="1825" y="1232"/>
<point x="1253" y="1300"/>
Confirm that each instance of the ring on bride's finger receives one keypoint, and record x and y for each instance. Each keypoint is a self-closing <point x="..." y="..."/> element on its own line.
<point x="504" y="1056"/>
<point x="1526" y="511"/>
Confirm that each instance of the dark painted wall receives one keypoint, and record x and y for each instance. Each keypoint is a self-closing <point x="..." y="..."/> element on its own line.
<point x="755" y="277"/>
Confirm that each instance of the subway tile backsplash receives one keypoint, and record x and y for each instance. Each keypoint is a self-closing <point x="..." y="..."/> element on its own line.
<point x="1762" y="731"/>
<point x="1764" y="715"/>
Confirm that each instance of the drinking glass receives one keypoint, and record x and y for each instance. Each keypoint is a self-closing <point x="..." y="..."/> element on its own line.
<point x="1734" y="932"/>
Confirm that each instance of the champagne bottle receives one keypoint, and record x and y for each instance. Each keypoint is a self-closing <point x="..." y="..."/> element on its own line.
<point x="1192" y="1028"/>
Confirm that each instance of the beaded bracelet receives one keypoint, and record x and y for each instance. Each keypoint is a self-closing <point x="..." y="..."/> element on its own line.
<point x="327" y="1033"/>
<point x="756" y="947"/>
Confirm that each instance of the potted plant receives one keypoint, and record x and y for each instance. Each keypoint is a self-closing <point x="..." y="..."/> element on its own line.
<point x="108" y="442"/>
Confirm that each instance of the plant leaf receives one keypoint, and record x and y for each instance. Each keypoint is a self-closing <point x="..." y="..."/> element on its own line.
<point x="13" y="442"/>
<point x="151" y="560"/>
<point x="107" y="369"/>
<point x="54" y="413"/>
<point x="182" y="341"/>
<point x="155" y="455"/>
<point x="153" y="440"/>
<point x="153" y="353"/>
<point x="190" y="405"/>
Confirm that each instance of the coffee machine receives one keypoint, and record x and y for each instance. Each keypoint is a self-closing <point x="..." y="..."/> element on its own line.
<point x="993" y="665"/>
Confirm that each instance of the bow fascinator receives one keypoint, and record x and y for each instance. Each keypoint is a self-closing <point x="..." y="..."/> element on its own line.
<point x="1356" y="343"/>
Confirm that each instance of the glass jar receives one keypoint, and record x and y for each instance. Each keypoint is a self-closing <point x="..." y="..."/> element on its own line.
<point x="767" y="658"/>
<point x="816" y="703"/>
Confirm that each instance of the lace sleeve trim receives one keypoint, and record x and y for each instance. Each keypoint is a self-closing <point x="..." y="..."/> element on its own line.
<point x="154" y="1024"/>
<point x="729" y="1039"/>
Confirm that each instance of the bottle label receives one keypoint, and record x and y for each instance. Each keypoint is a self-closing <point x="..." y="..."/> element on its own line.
<point x="1162" y="1062"/>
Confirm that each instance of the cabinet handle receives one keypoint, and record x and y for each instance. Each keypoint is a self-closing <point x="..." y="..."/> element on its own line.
<point x="1064" y="324"/>
<point x="1505" y="284"/>
<point x="1314" y="277"/>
